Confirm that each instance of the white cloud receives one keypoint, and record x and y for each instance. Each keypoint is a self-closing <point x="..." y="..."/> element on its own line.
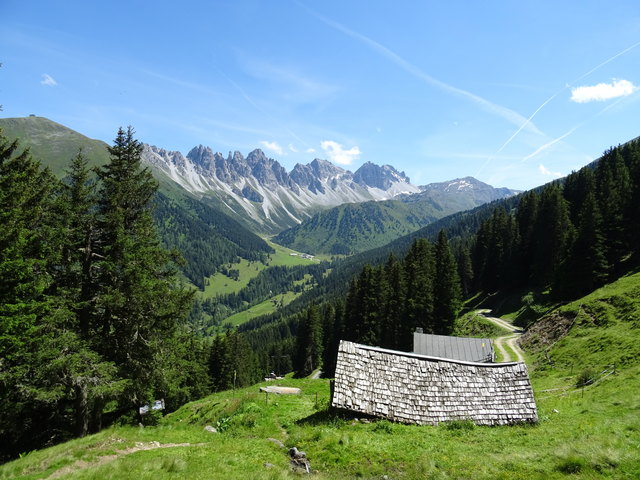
<point x="48" y="80"/>
<point x="602" y="91"/>
<point x="545" y="171"/>
<point x="273" y="147"/>
<point x="338" y="154"/>
<point x="293" y="148"/>
<point x="311" y="150"/>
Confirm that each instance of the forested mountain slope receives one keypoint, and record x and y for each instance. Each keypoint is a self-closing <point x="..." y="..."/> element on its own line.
<point x="355" y="228"/>
<point x="205" y="236"/>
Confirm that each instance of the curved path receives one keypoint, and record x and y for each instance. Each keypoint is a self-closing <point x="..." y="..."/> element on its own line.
<point x="511" y="339"/>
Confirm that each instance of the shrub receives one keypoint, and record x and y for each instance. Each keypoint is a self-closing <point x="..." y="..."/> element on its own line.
<point x="586" y="377"/>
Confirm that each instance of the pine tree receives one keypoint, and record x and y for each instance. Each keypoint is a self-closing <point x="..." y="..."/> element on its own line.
<point x="332" y="334"/>
<point x="77" y="280"/>
<point x="394" y="304"/>
<point x="309" y="342"/>
<point x="139" y="303"/>
<point x="446" y="291"/>
<point x="419" y="274"/>
<point x="585" y="268"/>
<point x="526" y="220"/>
<point x="465" y="271"/>
<point x="553" y="235"/>
<point x="614" y="198"/>
<point x="29" y="247"/>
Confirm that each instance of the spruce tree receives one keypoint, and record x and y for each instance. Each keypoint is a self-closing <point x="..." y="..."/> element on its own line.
<point x="419" y="274"/>
<point x="139" y="302"/>
<point x="446" y="290"/>
<point x="553" y="235"/>
<point x="394" y="304"/>
<point x="585" y="268"/>
<point x="309" y="342"/>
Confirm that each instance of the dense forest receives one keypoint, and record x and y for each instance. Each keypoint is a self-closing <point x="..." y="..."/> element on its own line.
<point x="91" y="319"/>
<point x="205" y="238"/>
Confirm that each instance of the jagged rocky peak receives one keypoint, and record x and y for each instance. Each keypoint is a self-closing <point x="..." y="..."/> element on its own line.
<point x="324" y="169"/>
<point x="201" y="155"/>
<point x="268" y="171"/>
<point x="376" y="176"/>
<point x="156" y="156"/>
<point x="304" y="176"/>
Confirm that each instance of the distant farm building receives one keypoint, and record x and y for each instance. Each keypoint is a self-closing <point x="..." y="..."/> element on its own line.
<point x="412" y="388"/>
<point x="456" y="348"/>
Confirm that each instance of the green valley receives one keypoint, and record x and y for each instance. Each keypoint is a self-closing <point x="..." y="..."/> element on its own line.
<point x="583" y="432"/>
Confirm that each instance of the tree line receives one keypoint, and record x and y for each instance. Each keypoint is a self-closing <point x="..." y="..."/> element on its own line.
<point x="91" y="304"/>
<point x="570" y="237"/>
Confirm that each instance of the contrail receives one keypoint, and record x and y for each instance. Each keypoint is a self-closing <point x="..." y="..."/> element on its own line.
<point x="509" y="115"/>
<point x="563" y="89"/>
<point x="262" y="110"/>
<point x="556" y="140"/>
<point x="551" y="143"/>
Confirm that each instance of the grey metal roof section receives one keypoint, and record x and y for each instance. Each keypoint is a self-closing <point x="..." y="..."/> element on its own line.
<point x="457" y="348"/>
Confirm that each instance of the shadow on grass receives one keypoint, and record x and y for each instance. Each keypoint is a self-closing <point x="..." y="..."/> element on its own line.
<point x="333" y="416"/>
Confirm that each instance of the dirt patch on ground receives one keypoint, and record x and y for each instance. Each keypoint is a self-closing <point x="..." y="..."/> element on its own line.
<point x="547" y="331"/>
<point x="139" y="446"/>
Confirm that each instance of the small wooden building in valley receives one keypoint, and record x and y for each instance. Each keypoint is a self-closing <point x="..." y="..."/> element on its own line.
<point x="412" y="388"/>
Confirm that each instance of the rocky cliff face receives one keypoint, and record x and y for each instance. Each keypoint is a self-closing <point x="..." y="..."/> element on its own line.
<point x="259" y="189"/>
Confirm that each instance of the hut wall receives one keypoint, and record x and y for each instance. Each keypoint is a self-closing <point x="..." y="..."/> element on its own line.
<point x="412" y="388"/>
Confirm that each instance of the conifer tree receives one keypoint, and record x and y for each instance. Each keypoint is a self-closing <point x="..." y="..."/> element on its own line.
<point x="309" y="342"/>
<point x="553" y="234"/>
<point x="332" y="334"/>
<point x="393" y="304"/>
<point x="585" y="268"/>
<point x="446" y="290"/>
<point x="139" y="302"/>
<point x="614" y="197"/>
<point x="419" y="273"/>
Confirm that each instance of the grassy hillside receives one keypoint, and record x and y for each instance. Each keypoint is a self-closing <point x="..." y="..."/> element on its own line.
<point x="588" y="432"/>
<point x="353" y="228"/>
<point x="52" y="143"/>
<point x="220" y="284"/>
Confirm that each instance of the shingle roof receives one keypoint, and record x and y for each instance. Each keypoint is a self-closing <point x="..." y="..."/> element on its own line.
<point x="459" y="348"/>
<point x="412" y="388"/>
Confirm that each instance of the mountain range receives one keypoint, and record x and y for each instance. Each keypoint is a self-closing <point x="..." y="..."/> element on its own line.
<point x="317" y="208"/>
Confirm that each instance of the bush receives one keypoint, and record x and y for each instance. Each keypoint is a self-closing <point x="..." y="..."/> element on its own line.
<point x="586" y="377"/>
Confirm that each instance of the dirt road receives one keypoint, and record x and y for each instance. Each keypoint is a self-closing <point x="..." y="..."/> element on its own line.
<point x="510" y="340"/>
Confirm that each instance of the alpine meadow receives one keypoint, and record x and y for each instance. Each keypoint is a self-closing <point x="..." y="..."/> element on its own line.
<point x="369" y="241"/>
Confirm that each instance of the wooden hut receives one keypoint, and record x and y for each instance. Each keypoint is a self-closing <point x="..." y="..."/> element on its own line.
<point x="412" y="388"/>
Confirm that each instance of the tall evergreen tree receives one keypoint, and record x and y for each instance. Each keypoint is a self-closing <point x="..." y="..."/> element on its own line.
<point x="333" y="333"/>
<point x="419" y="273"/>
<point x="139" y="302"/>
<point x="309" y="342"/>
<point x="446" y="290"/>
<point x="614" y="196"/>
<point x="585" y="268"/>
<point x="553" y="234"/>
<point x="394" y="304"/>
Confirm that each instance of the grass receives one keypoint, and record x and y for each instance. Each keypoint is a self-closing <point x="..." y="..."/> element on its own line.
<point x="264" y="308"/>
<point x="582" y="433"/>
<point x="219" y="284"/>
<point x="473" y="325"/>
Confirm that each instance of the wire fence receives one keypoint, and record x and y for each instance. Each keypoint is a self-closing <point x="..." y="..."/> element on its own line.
<point x="585" y="379"/>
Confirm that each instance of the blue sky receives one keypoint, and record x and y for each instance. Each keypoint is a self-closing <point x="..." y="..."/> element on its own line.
<point x="514" y="93"/>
